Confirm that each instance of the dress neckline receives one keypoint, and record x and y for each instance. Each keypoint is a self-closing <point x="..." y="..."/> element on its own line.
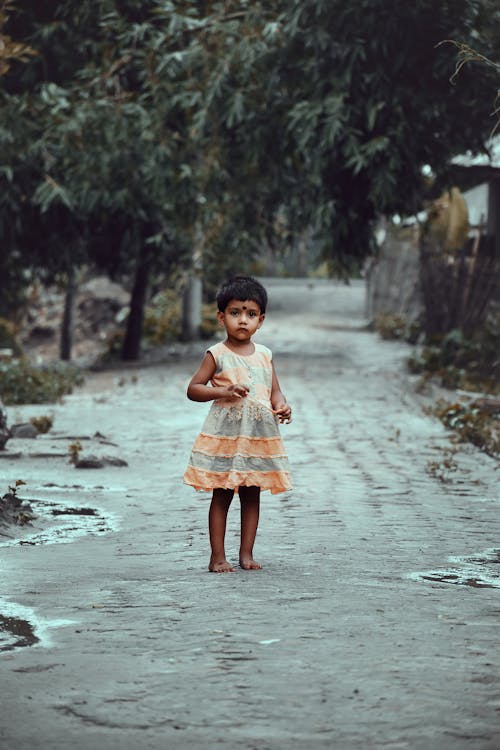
<point x="245" y="356"/>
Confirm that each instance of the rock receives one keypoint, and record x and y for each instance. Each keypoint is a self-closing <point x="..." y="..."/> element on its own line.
<point x="24" y="430"/>
<point x="99" y="462"/>
<point x="98" y="301"/>
<point x="89" y="462"/>
<point x="13" y="510"/>
<point x="114" y="461"/>
<point x="100" y="287"/>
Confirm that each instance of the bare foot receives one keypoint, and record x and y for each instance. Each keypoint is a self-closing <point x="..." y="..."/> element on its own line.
<point x="220" y="566"/>
<point x="248" y="563"/>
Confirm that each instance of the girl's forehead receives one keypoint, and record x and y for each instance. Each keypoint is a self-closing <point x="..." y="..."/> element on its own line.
<point x="247" y="304"/>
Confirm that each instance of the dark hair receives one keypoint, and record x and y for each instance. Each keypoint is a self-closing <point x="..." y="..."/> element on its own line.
<point x="241" y="288"/>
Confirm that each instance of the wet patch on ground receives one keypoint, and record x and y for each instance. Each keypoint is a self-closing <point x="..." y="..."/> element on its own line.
<point x="15" y="633"/>
<point x="20" y="627"/>
<point x="481" y="570"/>
<point x="55" y="523"/>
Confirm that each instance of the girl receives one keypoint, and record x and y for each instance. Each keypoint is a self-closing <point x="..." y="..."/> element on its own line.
<point x="239" y="448"/>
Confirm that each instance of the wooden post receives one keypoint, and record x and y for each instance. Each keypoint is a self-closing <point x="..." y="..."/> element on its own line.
<point x="67" y="325"/>
<point x="191" y="309"/>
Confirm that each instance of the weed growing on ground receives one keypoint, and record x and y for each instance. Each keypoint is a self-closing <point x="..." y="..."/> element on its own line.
<point x="443" y="469"/>
<point x="74" y="450"/>
<point x="460" y="362"/>
<point x="43" y="423"/>
<point x="13" y="509"/>
<point x="392" y="326"/>
<point x="455" y="362"/>
<point x="472" y="424"/>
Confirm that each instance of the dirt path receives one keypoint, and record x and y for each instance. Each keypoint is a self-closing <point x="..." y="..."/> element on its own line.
<point x="374" y="623"/>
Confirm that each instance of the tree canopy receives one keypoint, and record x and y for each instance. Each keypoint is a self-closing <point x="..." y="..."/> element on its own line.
<point x="142" y="129"/>
<point x="338" y="106"/>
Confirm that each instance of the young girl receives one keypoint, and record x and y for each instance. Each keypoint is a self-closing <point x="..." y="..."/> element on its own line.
<point x="239" y="448"/>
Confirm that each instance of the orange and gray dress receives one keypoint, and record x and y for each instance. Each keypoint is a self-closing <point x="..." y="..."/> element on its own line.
<point x="240" y="443"/>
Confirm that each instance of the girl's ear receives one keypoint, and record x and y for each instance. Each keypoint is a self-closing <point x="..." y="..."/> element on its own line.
<point x="220" y="318"/>
<point x="262" y="317"/>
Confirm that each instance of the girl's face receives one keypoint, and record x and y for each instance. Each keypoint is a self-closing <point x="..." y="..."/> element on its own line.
<point x="241" y="319"/>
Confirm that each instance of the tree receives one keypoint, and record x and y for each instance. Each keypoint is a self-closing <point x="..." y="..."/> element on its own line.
<point x="146" y="128"/>
<point x="102" y="164"/>
<point x="334" y="108"/>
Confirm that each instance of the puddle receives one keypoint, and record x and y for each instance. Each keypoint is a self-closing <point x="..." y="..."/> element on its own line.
<point x="481" y="570"/>
<point x="21" y="627"/>
<point x="55" y="523"/>
<point x="15" y="633"/>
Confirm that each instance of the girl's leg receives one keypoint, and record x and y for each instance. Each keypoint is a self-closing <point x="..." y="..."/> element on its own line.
<point x="250" y="506"/>
<point x="217" y="516"/>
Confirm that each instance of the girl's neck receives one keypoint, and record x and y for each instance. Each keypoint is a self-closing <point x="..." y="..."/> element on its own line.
<point x="245" y="348"/>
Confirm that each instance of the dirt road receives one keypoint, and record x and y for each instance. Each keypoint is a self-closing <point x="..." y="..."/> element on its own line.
<point x="374" y="623"/>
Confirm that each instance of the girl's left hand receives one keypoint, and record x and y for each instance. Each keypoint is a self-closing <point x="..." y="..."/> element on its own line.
<point x="283" y="412"/>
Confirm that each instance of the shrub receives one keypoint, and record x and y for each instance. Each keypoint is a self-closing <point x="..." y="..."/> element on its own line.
<point x="8" y="338"/>
<point x="471" y="424"/>
<point x="458" y="362"/>
<point x="23" y="383"/>
<point x="163" y="318"/>
<point x="391" y="326"/>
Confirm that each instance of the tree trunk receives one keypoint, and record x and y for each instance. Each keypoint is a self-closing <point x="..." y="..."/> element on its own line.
<point x="131" y="349"/>
<point x="4" y="430"/>
<point x="193" y="291"/>
<point x="191" y="309"/>
<point x="66" y="340"/>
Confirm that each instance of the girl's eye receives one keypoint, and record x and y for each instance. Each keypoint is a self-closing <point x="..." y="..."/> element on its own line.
<point x="252" y="314"/>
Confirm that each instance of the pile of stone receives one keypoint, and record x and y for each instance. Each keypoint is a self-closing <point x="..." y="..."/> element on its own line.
<point x="100" y="306"/>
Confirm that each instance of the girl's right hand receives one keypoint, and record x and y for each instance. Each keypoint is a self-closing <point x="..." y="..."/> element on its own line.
<point x="237" y="390"/>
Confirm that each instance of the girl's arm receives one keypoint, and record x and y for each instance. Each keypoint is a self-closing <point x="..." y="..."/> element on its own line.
<point x="198" y="390"/>
<point x="278" y="401"/>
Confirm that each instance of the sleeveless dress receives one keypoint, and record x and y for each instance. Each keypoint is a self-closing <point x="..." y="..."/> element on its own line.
<point x="240" y="444"/>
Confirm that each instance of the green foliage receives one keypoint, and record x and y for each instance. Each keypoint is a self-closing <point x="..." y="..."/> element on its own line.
<point x="162" y="320"/>
<point x="155" y="128"/>
<point x="339" y="107"/>
<point x="91" y="172"/>
<point x="22" y="383"/>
